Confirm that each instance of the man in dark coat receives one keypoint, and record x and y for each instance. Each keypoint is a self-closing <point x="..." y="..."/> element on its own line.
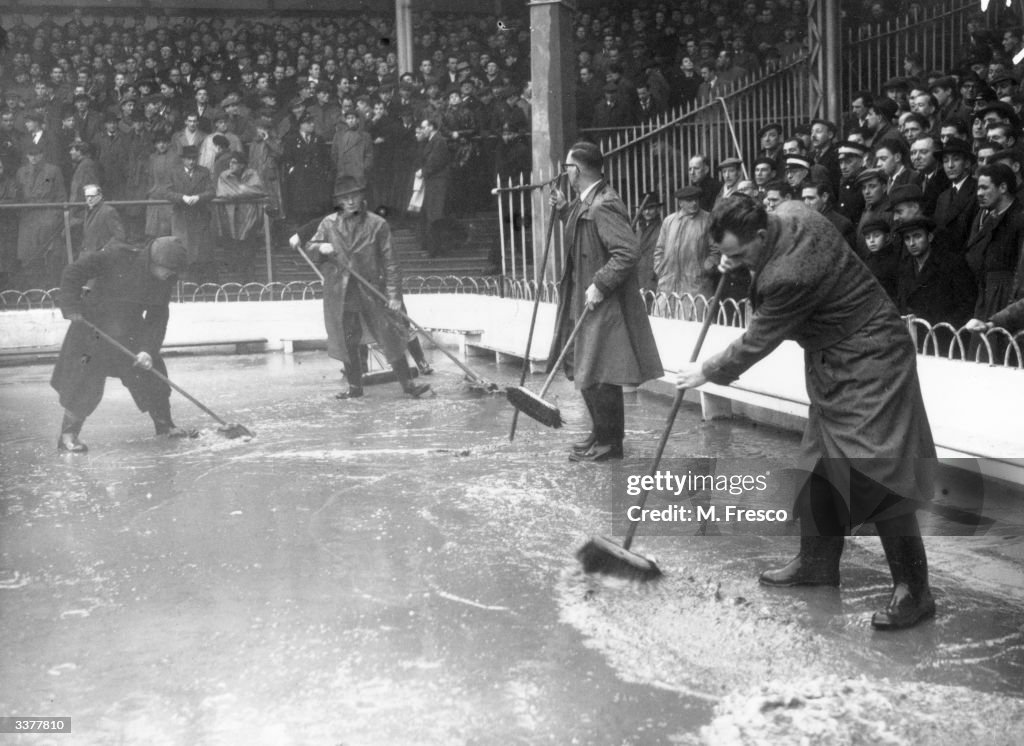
<point x="933" y="285"/>
<point x="956" y="207"/>
<point x="867" y="433"/>
<point x="102" y="223"/>
<point x="615" y="345"/>
<point x="131" y="290"/>
<point x="435" y="170"/>
<point x="306" y="167"/>
<point x="40" y="232"/>
<point x="190" y="188"/>
<point x="849" y="200"/>
<point x="354" y="239"/>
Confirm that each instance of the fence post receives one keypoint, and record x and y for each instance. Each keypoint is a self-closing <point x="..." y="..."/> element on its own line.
<point x="67" y="232"/>
<point x="267" y="245"/>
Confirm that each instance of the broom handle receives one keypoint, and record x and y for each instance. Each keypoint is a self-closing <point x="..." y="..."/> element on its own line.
<point x="404" y="316"/>
<point x="536" y="306"/>
<point x="565" y="350"/>
<point x="155" y="372"/>
<point x="677" y="401"/>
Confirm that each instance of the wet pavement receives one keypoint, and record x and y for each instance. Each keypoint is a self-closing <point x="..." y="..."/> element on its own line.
<point x="393" y="571"/>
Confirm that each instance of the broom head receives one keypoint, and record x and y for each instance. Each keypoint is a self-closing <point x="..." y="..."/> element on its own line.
<point x="234" y="430"/>
<point x="533" y="406"/>
<point x="602" y="555"/>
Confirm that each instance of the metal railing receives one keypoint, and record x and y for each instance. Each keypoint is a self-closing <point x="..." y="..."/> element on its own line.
<point x="999" y="347"/>
<point x="80" y="208"/>
<point x="874" y="52"/>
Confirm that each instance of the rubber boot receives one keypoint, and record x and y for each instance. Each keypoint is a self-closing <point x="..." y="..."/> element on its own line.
<point x="911" y="600"/>
<point x="817" y="563"/>
<point x="68" y="441"/>
<point x="358" y="355"/>
<point x="401" y="368"/>
<point x="162" y="422"/>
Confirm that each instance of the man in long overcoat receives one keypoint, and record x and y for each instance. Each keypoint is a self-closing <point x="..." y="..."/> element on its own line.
<point x="129" y="297"/>
<point x="305" y="164"/>
<point x="867" y="443"/>
<point x="40" y="232"/>
<point x="358" y="239"/>
<point x="435" y="168"/>
<point x="615" y="345"/>
<point x="102" y="222"/>
<point x="190" y="188"/>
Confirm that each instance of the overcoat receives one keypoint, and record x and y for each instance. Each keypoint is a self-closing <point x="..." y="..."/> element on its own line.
<point x="435" y="161"/>
<point x="364" y="240"/>
<point x="102" y="223"/>
<point x="191" y="223"/>
<point x="615" y="345"/>
<point x="866" y="412"/>
<point x="942" y="291"/>
<point x="955" y="210"/>
<point x="993" y="252"/>
<point x="39" y="230"/>
<point x="352" y="154"/>
<point x="130" y="305"/>
<point x="681" y="255"/>
<point x="158" y="170"/>
<point x="306" y="168"/>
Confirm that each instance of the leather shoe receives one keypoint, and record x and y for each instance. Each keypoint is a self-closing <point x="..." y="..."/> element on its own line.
<point x="354" y="392"/>
<point x="69" y="443"/>
<point x="597" y="453"/>
<point x="416" y="390"/>
<point x="582" y="446"/>
<point x="905" y="609"/>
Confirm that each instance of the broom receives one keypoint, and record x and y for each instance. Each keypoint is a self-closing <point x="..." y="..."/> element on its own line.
<point x="534" y="405"/>
<point x="602" y="555"/>
<point x="475" y="379"/>
<point x="230" y="430"/>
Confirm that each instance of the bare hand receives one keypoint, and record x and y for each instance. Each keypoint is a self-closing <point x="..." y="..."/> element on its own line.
<point x="726" y="265"/>
<point x="977" y="325"/>
<point x="558" y="199"/>
<point x="295" y="242"/>
<point x="144" y="360"/>
<point x="325" y="249"/>
<point x="74" y="317"/>
<point x="691" y="376"/>
<point x="593" y="296"/>
<point x="395" y="305"/>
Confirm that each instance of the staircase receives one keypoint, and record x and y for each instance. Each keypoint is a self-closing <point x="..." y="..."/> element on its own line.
<point x="471" y="240"/>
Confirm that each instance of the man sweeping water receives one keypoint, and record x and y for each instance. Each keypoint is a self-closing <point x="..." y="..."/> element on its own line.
<point x="350" y="242"/>
<point x="868" y="443"/>
<point x="614" y="346"/>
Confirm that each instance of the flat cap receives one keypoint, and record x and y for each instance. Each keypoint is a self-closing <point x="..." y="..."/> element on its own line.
<point x="906" y="193"/>
<point x="688" y="192"/>
<point x="871" y="173"/>
<point x="733" y="161"/>
<point x="877" y="223"/>
<point x="918" y="221"/>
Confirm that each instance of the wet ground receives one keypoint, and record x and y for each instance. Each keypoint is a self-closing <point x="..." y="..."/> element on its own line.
<point x="391" y="571"/>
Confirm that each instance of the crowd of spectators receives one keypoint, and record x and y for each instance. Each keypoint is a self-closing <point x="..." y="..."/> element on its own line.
<point x="923" y="176"/>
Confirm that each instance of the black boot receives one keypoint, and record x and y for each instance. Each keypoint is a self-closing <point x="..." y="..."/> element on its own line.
<point x="401" y="368"/>
<point x="68" y="440"/>
<point x="817" y="563"/>
<point x="582" y="446"/>
<point x="911" y="600"/>
<point x="416" y="350"/>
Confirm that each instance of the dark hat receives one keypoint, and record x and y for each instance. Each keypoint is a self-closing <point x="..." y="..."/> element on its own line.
<point x="307" y="118"/>
<point x="899" y="84"/>
<point x="871" y="173"/>
<point x="295" y="103"/>
<point x="946" y="81"/>
<point x="324" y="87"/>
<point x="798" y="161"/>
<point x="688" y="192"/>
<point x="1009" y="154"/>
<point x="190" y="151"/>
<point x="1004" y="78"/>
<point x="462" y="65"/>
<point x="906" y="193"/>
<point x="1001" y="108"/>
<point x="506" y="91"/>
<point x="610" y="88"/>
<point x="919" y="221"/>
<point x="770" y="126"/>
<point x="955" y="146"/>
<point x="885" y="106"/>
<point x="766" y="160"/>
<point x="264" y="121"/>
<point x="877" y="223"/>
<point x="968" y="76"/>
<point x="347" y="185"/>
<point x="853" y="148"/>
<point x="829" y="124"/>
<point x="169" y="252"/>
<point x="653" y="199"/>
<point x="730" y="162"/>
<point x="34" y="149"/>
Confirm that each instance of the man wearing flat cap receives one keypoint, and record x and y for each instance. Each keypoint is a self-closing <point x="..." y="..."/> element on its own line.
<point x="934" y="285"/>
<point x="683" y="259"/>
<point x="874" y="188"/>
<point x="878" y="120"/>
<point x="129" y="297"/>
<point x="730" y="170"/>
<point x="353" y="241"/>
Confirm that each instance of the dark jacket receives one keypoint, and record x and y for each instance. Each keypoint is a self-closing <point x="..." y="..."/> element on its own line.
<point x="435" y="162"/>
<point x="955" y="212"/>
<point x="942" y="291"/>
<point x="615" y="345"/>
<point x="993" y="253"/>
<point x="866" y="409"/>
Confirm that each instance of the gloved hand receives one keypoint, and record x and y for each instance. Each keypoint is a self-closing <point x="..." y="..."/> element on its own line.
<point x="325" y="249"/>
<point x="144" y="360"/>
